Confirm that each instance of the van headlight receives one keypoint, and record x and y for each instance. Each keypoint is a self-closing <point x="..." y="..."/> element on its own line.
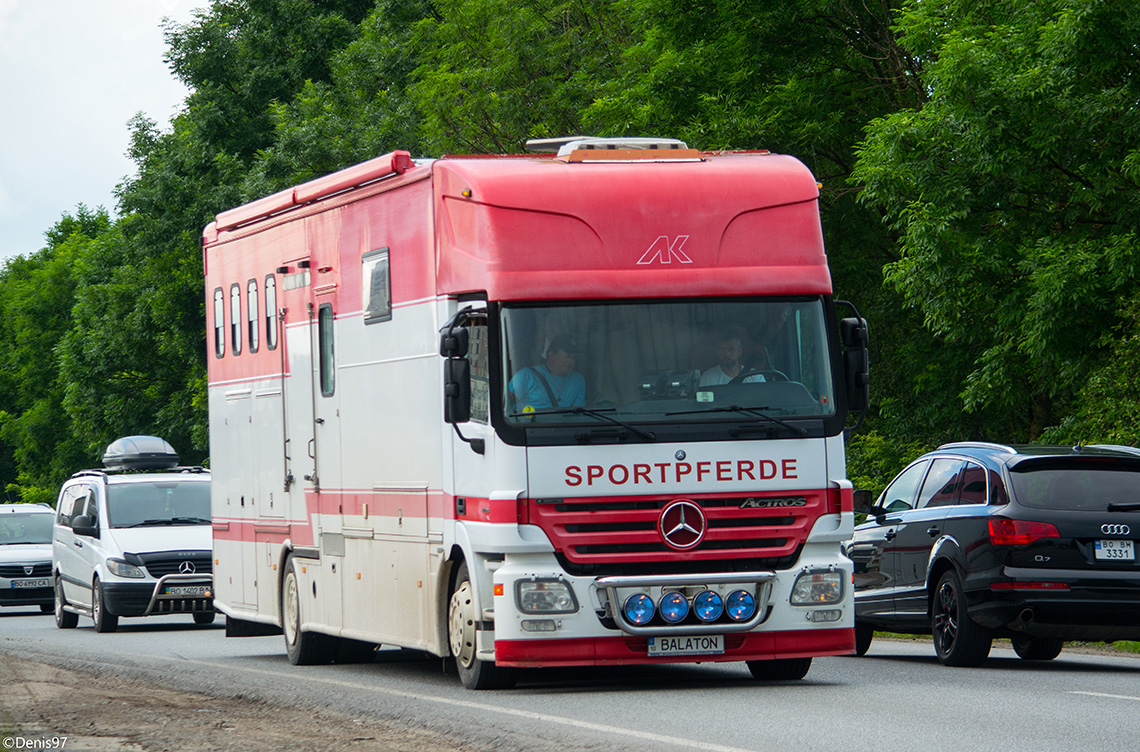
<point x="545" y="596"/>
<point x="123" y="569"/>
<point x="817" y="588"/>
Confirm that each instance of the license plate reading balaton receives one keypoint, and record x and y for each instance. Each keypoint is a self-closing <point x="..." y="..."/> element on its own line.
<point x="188" y="591"/>
<point x="686" y="645"/>
<point x="1115" y="550"/>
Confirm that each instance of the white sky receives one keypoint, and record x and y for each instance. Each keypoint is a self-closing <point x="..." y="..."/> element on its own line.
<point x="72" y="73"/>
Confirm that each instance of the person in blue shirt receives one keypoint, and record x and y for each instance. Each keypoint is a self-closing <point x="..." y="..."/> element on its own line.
<point x="555" y="383"/>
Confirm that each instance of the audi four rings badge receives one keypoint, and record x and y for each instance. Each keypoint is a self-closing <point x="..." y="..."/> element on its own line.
<point x="1115" y="529"/>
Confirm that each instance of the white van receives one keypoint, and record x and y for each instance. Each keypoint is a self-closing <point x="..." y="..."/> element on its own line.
<point x="134" y="538"/>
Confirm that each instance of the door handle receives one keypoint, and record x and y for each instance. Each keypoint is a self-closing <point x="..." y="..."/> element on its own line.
<point x="891" y="534"/>
<point x="79" y="544"/>
<point x="933" y="531"/>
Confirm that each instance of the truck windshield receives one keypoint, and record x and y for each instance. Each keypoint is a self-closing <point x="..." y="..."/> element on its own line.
<point x="671" y="362"/>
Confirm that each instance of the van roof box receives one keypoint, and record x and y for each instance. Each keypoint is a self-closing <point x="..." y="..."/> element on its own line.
<point x="140" y="453"/>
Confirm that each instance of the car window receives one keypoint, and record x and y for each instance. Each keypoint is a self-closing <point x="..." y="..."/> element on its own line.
<point x="973" y="485"/>
<point x="158" y="502"/>
<point x="63" y="506"/>
<point x="941" y="486"/>
<point x="1074" y="485"/>
<point x="19" y="527"/>
<point x="900" y="494"/>
<point x="78" y="502"/>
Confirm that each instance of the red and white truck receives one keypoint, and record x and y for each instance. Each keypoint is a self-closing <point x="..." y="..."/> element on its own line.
<point x="579" y="407"/>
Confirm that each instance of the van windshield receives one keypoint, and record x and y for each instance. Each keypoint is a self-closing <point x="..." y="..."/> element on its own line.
<point x="671" y="361"/>
<point x="158" y="503"/>
<point x="25" y="528"/>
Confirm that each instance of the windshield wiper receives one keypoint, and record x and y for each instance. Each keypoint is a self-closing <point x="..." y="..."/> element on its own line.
<point x="170" y="521"/>
<point x="747" y="411"/>
<point x="1131" y="506"/>
<point x="599" y="413"/>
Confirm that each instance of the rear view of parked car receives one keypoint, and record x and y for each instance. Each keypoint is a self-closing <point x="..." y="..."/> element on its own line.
<point x="133" y="538"/>
<point x="25" y="555"/>
<point x="975" y="541"/>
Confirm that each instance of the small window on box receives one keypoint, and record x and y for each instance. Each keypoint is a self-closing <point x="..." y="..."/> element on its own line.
<point x="251" y="304"/>
<point x="271" y="312"/>
<point x="326" y="352"/>
<point x="219" y="322"/>
<point x="235" y="317"/>
<point x="377" y="287"/>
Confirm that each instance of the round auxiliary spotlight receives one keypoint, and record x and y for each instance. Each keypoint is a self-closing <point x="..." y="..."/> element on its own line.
<point x="638" y="609"/>
<point x="674" y="607"/>
<point x="740" y="605"/>
<point x="708" y="605"/>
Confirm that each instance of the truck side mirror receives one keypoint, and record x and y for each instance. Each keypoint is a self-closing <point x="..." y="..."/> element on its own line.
<point x="453" y="342"/>
<point x="861" y="501"/>
<point x="456" y="390"/>
<point x="856" y="362"/>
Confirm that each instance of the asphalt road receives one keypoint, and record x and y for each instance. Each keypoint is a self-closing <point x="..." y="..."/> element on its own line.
<point x="896" y="698"/>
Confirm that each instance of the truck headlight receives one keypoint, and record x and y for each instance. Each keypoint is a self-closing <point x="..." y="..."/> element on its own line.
<point x="816" y="588"/>
<point x="545" y="596"/>
<point x="123" y="569"/>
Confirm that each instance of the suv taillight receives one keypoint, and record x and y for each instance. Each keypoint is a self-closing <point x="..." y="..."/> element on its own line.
<point x="1005" y="532"/>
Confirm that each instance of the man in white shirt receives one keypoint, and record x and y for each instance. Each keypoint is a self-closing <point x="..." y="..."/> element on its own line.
<point x="728" y="351"/>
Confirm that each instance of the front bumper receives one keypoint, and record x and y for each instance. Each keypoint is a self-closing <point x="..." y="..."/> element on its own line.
<point x="627" y="650"/>
<point x="10" y="596"/>
<point x="148" y="598"/>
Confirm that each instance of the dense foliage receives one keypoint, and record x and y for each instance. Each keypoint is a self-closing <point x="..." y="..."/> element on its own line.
<point x="980" y="164"/>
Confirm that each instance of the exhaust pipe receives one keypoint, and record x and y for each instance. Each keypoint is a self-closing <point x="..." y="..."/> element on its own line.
<point x="1026" y="615"/>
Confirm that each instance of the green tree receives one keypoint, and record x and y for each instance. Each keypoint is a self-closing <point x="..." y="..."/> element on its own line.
<point x="1013" y="189"/>
<point x="37" y="293"/>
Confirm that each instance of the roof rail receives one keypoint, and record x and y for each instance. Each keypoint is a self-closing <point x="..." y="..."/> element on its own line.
<point x="1116" y="447"/>
<point x="979" y="445"/>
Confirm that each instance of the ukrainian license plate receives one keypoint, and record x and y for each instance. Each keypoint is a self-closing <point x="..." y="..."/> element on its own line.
<point x="188" y="591"/>
<point x="39" y="582"/>
<point x="686" y="645"/>
<point x="1115" y="550"/>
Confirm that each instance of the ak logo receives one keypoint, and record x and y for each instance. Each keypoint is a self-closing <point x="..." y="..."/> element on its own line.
<point x="664" y="250"/>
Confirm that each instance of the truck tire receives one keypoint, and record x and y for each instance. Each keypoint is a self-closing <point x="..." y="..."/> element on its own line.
<point x="462" y="615"/>
<point x="303" y="648"/>
<point x="780" y="669"/>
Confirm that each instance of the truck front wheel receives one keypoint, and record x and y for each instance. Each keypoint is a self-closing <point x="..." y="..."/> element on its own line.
<point x="462" y="614"/>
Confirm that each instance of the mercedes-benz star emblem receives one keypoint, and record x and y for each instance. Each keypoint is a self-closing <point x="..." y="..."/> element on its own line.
<point x="187" y="567"/>
<point x="682" y="525"/>
<point x="1115" y="529"/>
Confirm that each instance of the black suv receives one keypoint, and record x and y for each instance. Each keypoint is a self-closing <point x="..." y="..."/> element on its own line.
<point x="975" y="541"/>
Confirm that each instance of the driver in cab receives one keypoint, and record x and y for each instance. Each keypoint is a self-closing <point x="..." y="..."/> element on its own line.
<point x="553" y="384"/>
<point x="728" y="351"/>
